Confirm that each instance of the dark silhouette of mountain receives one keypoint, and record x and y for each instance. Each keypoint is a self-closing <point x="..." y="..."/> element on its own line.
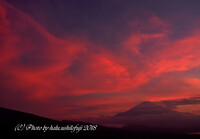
<point x="16" y="123"/>
<point x="153" y="117"/>
<point x="144" y="108"/>
<point x="10" y="119"/>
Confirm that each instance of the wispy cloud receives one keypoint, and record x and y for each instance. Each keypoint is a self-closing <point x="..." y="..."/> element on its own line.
<point x="177" y="102"/>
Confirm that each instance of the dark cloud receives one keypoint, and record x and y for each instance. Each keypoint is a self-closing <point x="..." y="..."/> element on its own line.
<point x="185" y="101"/>
<point x="108" y="17"/>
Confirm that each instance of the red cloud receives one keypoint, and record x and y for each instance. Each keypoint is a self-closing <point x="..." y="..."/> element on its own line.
<point x="30" y="54"/>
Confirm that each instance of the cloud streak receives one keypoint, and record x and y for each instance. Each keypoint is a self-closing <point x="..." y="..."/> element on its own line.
<point x="177" y="102"/>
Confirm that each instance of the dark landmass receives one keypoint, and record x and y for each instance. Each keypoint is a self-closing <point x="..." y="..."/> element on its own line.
<point x="9" y="119"/>
<point x="152" y="117"/>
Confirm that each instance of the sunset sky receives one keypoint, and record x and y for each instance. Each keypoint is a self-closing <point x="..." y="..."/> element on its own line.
<point x="68" y="59"/>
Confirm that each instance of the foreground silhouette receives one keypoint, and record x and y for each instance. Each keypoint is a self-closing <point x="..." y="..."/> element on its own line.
<point x="10" y="120"/>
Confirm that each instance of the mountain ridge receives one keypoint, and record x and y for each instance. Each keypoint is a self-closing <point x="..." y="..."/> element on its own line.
<point x="150" y="108"/>
<point x="10" y="118"/>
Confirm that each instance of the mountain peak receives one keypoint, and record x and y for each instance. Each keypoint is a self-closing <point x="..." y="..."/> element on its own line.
<point x="145" y="107"/>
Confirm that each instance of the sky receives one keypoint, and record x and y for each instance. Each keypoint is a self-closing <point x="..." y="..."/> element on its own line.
<point x="71" y="59"/>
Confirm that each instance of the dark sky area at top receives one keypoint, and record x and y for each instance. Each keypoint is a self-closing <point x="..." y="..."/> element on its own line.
<point x="102" y="20"/>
